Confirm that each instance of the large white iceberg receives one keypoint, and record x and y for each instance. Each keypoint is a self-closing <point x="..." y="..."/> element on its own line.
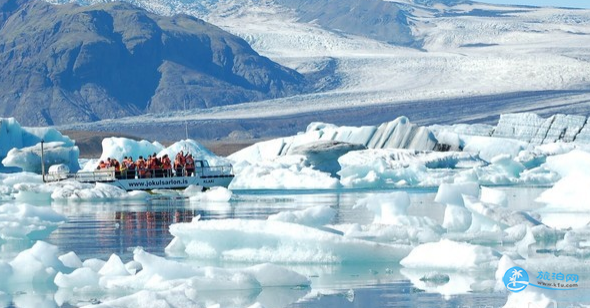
<point x="119" y="147"/>
<point x="20" y="147"/>
<point x="399" y="154"/>
<point x="240" y="240"/>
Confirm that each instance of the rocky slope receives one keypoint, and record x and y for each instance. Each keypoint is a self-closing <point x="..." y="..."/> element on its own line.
<point x="65" y="64"/>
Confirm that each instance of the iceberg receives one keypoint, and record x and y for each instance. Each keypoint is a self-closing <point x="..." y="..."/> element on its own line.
<point x="451" y="255"/>
<point x="20" y="147"/>
<point x="240" y="240"/>
<point x="323" y="155"/>
<point x="457" y="218"/>
<point x="285" y="172"/>
<point x="24" y="221"/>
<point x="166" y="281"/>
<point x="119" y="147"/>
<point x="399" y="154"/>
<point x="316" y="216"/>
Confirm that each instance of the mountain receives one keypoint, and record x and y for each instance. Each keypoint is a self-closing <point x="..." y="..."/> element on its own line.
<point x="66" y="64"/>
<point x="435" y="61"/>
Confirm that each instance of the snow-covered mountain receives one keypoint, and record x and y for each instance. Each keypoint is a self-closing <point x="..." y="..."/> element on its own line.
<point x="451" y="61"/>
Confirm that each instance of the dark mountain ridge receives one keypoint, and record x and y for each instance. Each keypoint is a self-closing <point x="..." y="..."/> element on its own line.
<point x="67" y="63"/>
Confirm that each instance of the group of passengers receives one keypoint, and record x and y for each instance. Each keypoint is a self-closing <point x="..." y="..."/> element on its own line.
<point x="152" y="166"/>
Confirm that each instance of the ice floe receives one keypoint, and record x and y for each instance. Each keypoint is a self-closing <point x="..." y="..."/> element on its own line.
<point x="256" y="241"/>
<point x="21" y="220"/>
<point x="147" y="277"/>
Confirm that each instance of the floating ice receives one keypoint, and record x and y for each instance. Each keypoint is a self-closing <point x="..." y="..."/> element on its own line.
<point x="22" y="220"/>
<point x="214" y="194"/>
<point x="24" y="143"/>
<point x="399" y="234"/>
<point x="274" y="241"/>
<point x="75" y="191"/>
<point x="490" y="217"/>
<point x="396" y="162"/>
<point x="529" y="298"/>
<point x="386" y="207"/>
<point x="29" y="158"/>
<point x="285" y="172"/>
<point x="568" y="194"/>
<point x="494" y="196"/>
<point x="71" y="260"/>
<point x="171" y="282"/>
<point x="323" y="155"/>
<point x="399" y="133"/>
<point x="35" y="266"/>
<point x="457" y="218"/>
<point x="117" y="147"/>
<point x="323" y="147"/>
<point x="564" y="166"/>
<point x="395" y="167"/>
<point x="453" y="193"/>
<point x="489" y="147"/>
<point x="316" y="216"/>
<point x="391" y="209"/>
<point x="451" y="255"/>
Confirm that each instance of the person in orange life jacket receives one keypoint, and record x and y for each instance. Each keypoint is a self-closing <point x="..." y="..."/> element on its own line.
<point x="167" y="165"/>
<point x="157" y="159"/>
<point x="115" y="164"/>
<point x="130" y="167"/>
<point x="148" y="167"/>
<point x="179" y="163"/>
<point x="141" y="165"/>
<point x="190" y="165"/>
<point x="152" y="165"/>
<point x="101" y="165"/>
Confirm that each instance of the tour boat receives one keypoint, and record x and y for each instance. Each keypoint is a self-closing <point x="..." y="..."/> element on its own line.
<point x="204" y="176"/>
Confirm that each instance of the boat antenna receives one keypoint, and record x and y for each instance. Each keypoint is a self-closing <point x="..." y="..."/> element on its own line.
<point x="42" y="161"/>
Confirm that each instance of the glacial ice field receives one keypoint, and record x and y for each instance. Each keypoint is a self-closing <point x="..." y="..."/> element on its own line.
<point x="474" y="61"/>
<point x="394" y="215"/>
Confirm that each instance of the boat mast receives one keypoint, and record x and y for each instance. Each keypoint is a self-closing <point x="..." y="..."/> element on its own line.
<point x="42" y="161"/>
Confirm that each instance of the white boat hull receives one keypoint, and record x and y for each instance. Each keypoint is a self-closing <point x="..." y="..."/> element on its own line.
<point x="204" y="176"/>
<point x="170" y="182"/>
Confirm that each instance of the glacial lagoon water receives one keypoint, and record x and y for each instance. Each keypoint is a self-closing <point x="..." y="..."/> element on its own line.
<point x="97" y="230"/>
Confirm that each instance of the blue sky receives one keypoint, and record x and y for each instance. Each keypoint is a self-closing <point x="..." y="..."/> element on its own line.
<point x="560" y="3"/>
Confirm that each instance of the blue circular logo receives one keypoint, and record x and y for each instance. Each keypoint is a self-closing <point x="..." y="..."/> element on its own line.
<point x="516" y="279"/>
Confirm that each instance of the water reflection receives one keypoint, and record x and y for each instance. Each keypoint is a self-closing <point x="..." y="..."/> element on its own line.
<point x="97" y="230"/>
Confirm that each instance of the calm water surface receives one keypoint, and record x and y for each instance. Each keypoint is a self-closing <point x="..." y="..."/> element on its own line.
<point x="97" y="230"/>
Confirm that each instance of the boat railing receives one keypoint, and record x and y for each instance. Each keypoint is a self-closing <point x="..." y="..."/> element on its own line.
<point x="110" y="174"/>
<point x="103" y="175"/>
<point x="215" y="170"/>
